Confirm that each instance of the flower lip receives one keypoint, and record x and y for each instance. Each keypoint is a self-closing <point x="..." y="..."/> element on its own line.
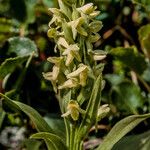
<point x="55" y="60"/>
<point x="77" y="72"/>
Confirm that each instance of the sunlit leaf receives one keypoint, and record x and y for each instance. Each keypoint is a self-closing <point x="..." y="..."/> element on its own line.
<point x="31" y="144"/>
<point x="53" y="142"/>
<point x="36" y="118"/>
<point x="120" y="129"/>
<point x="136" y="142"/>
<point x="9" y="65"/>
<point x="21" y="46"/>
<point x="56" y="124"/>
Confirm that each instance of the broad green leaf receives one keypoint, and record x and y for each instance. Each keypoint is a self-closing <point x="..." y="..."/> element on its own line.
<point x="21" y="46"/>
<point x="130" y="58"/>
<point x="144" y="37"/>
<point x="114" y="79"/>
<point x="53" y="142"/>
<point x="136" y="142"/>
<point x="120" y="129"/>
<point x="127" y="97"/>
<point x="9" y="65"/>
<point x="57" y="125"/>
<point x="31" y="144"/>
<point x="36" y="118"/>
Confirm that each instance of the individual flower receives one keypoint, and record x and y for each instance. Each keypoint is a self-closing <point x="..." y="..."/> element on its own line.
<point x="71" y="52"/>
<point x="71" y="83"/>
<point x="98" y="55"/>
<point x="74" y="110"/>
<point x="88" y="8"/>
<point x="103" y="111"/>
<point x="77" y="27"/>
<point x="81" y="73"/>
<point x="53" y="76"/>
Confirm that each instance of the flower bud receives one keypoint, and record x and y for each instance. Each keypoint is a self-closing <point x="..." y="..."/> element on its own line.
<point x="99" y="55"/>
<point x="103" y="111"/>
<point x="73" y="109"/>
<point x="95" y="26"/>
<point x="87" y="9"/>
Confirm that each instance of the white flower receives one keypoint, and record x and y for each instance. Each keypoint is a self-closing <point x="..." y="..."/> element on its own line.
<point x="81" y="72"/>
<point x="69" y="84"/>
<point x="73" y="109"/>
<point x="71" y="52"/>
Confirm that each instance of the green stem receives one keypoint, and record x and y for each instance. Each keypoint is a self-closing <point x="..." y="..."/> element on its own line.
<point x="144" y="83"/>
<point x="23" y="73"/>
<point x="71" y="137"/>
<point x="67" y="132"/>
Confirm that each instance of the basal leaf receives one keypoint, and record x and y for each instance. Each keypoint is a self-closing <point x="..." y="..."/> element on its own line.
<point x="136" y="142"/>
<point x="120" y="129"/>
<point x="53" y="142"/>
<point x="36" y="118"/>
<point x="9" y="65"/>
<point x="31" y="144"/>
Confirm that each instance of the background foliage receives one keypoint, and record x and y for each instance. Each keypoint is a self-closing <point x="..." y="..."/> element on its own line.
<point x="125" y="36"/>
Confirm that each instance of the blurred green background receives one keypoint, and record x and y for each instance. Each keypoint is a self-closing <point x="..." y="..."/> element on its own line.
<point x="125" y="36"/>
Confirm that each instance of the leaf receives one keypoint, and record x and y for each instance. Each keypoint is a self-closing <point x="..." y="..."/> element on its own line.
<point x="21" y="46"/>
<point x="114" y="79"/>
<point x="94" y="101"/>
<point x="37" y="119"/>
<point x="130" y="58"/>
<point x="144" y="37"/>
<point x="120" y="129"/>
<point x="90" y="116"/>
<point x="2" y="116"/>
<point x="30" y="5"/>
<point x="53" y="142"/>
<point x="136" y="142"/>
<point x="144" y="3"/>
<point x="31" y="144"/>
<point x="9" y="65"/>
<point x="127" y="97"/>
<point x="57" y="125"/>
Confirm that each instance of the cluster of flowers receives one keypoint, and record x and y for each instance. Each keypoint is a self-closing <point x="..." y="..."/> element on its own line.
<point x="74" y="30"/>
